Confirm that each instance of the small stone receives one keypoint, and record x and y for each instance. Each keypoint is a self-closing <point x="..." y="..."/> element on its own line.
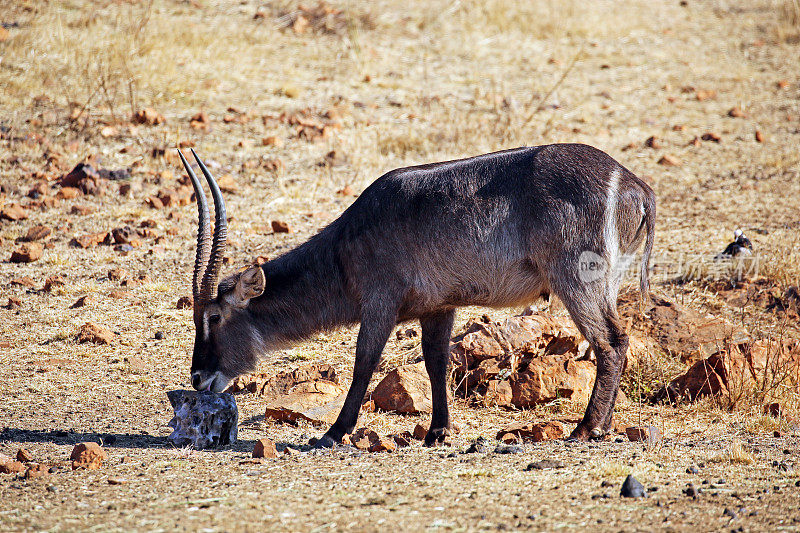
<point x="80" y="302"/>
<point x="14" y="302"/>
<point x="53" y="281"/>
<point x="278" y="226"/>
<point x="13" y="467"/>
<point x="272" y="140"/>
<point x="13" y="212"/>
<point x="27" y="253"/>
<point x="159" y="335"/>
<point x="691" y="491"/>
<point x="631" y="488"/>
<point x="89" y="455"/>
<point x="384" y="444"/>
<point x="419" y="432"/>
<point x="508" y="449"/>
<point x="736" y="112"/>
<point x="81" y="210"/>
<point x="729" y="513"/>
<point x="24" y="456"/>
<point x="670" y="161"/>
<point x="403" y="439"/>
<point x="711" y="136"/>
<point x="95" y="334"/>
<point x="203" y="419"/>
<point x="185" y="302"/>
<point x="116" y="481"/>
<point x="90" y="240"/>
<point x="37" y="233"/>
<point x="653" y="142"/>
<point x="759" y="136"/>
<point x="265" y="448"/>
<point x="692" y="470"/>
<point x="481" y="445"/>
<point x="546" y="464"/>
<point x="649" y="434"/>
<point x="36" y="471"/>
<point x="68" y="193"/>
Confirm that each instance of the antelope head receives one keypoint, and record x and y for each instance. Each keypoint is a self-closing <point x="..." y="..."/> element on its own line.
<point x="227" y="342"/>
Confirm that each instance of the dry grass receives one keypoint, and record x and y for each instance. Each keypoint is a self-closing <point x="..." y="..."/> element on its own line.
<point x="412" y="82"/>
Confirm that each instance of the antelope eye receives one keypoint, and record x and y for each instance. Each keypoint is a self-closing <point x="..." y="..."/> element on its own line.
<point x="214" y="319"/>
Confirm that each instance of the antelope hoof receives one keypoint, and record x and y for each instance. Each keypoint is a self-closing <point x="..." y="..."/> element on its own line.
<point x="436" y="437"/>
<point x="326" y="441"/>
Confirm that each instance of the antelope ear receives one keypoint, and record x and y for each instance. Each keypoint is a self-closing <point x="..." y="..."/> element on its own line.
<point x="251" y="284"/>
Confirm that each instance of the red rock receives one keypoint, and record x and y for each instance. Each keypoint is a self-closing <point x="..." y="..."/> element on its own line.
<point x="272" y="140"/>
<point x="703" y="94"/>
<point x="649" y="434"/>
<point x="80" y="302"/>
<point x="347" y="190"/>
<point x="13" y="212"/>
<point x="119" y="295"/>
<point x="402" y="439"/>
<point x="185" y="302"/>
<point x="27" y="253"/>
<point x="88" y="455"/>
<point x="265" y="448"/>
<point x="36" y="471"/>
<point x="25" y="281"/>
<point x="364" y="438"/>
<point x="279" y="226"/>
<point x="711" y="136"/>
<point x="11" y="467"/>
<point x="406" y="389"/>
<point x="706" y="377"/>
<point x="154" y="202"/>
<point x="283" y="382"/>
<point x="13" y="302"/>
<point x="93" y="333"/>
<point x="530" y="432"/>
<point x="670" y="161"/>
<point x="551" y="377"/>
<point x="653" y="142"/>
<point x="90" y="240"/>
<point x="81" y="210"/>
<point x="227" y="184"/>
<point x="318" y="402"/>
<point x="759" y="136"/>
<point x="24" y="456"/>
<point x="736" y="112"/>
<point x="37" y="233"/>
<point x="118" y="274"/>
<point x="419" y="432"/>
<point x="53" y="281"/>
<point x="384" y="444"/>
<point x="68" y="193"/>
<point x="39" y="189"/>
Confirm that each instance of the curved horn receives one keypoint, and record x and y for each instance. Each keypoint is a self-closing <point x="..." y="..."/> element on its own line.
<point x="203" y="233"/>
<point x="208" y="285"/>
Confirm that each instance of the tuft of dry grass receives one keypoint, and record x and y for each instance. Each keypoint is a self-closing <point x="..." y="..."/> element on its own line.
<point x="734" y="453"/>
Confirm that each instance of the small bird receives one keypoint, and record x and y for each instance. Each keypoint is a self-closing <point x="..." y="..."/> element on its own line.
<point x="740" y="247"/>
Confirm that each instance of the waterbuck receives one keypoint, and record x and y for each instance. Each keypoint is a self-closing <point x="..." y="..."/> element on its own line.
<point x="496" y="230"/>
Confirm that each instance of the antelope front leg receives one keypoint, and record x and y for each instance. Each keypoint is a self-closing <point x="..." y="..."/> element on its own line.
<point x="436" y="331"/>
<point x="372" y="336"/>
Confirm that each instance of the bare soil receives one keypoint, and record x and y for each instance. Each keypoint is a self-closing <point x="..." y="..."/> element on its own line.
<point x="397" y="83"/>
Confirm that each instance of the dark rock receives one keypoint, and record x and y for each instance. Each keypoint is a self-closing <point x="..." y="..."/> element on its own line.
<point x="546" y="464"/>
<point x="203" y="419"/>
<point x="631" y="488"/>
<point x="508" y="448"/>
<point x="691" y="491"/>
<point x="159" y="335"/>
<point x="729" y="512"/>
<point x="692" y="470"/>
<point x="481" y="445"/>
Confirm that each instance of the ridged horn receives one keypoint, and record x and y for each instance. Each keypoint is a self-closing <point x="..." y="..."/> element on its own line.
<point x="208" y="285"/>
<point x="203" y="234"/>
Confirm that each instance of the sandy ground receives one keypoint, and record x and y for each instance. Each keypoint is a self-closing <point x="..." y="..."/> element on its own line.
<point x="406" y="83"/>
